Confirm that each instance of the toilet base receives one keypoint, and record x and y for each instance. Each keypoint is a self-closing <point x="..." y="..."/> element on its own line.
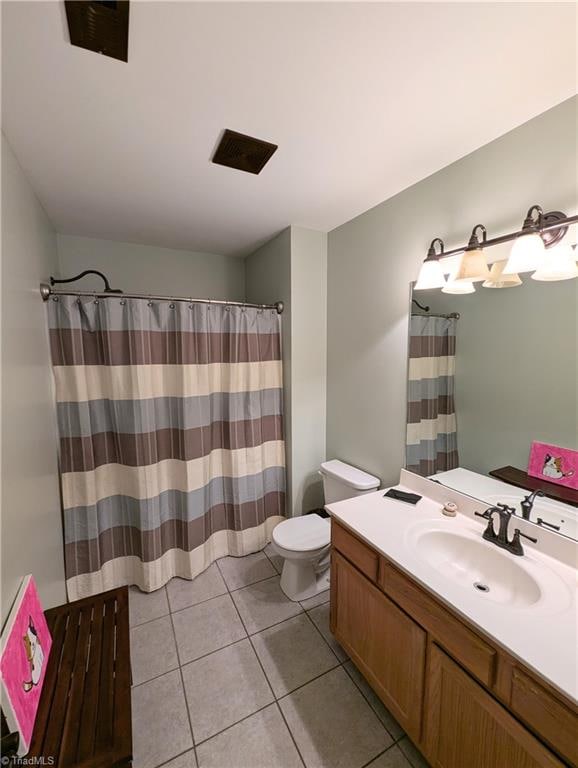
<point x="301" y="580"/>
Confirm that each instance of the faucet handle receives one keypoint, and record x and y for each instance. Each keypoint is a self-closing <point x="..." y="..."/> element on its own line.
<point x="506" y="508"/>
<point x="518" y="533"/>
<point x="487" y="515"/>
<point x="549" y="525"/>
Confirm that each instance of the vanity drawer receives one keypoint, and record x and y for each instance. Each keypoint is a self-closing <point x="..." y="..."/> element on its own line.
<point x="467" y="648"/>
<point x="358" y="553"/>
<point x="546" y="714"/>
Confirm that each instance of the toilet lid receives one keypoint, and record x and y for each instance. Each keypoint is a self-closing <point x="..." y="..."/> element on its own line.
<point x="303" y="533"/>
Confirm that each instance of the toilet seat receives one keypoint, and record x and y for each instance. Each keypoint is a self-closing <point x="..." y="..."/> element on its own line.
<point x="303" y="534"/>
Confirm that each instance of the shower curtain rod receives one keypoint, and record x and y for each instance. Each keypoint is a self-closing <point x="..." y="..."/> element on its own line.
<point x="46" y="291"/>
<point x="451" y="316"/>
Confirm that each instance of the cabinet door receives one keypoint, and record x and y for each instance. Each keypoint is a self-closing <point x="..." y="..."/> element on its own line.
<point x="385" y="644"/>
<point x="465" y="726"/>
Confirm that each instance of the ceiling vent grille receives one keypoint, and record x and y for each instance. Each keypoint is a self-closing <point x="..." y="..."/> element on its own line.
<point x="100" y="26"/>
<point x="244" y="153"/>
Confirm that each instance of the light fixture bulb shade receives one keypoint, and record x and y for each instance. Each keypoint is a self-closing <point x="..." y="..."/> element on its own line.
<point x="464" y="286"/>
<point x="472" y="267"/>
<point x="526" y="255"/>
<point x="559" y="264"/>
<point x="431" y="275"/>
<point x="498" y="279"/>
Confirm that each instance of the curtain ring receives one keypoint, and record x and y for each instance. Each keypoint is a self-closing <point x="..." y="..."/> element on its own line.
<point x="191" y="302"/>
<point x="78" y="301"/>
<point x="150" y="302"/>
<point x="55" y="298"/>
<point x="171" y="306"/>
<point x="122" y="302"/>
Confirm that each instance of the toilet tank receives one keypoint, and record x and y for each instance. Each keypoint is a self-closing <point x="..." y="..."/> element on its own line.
<point x="342" y="481"/>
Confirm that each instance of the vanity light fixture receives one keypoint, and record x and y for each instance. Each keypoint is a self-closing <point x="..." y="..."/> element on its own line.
<point x="527" y="253"/>
<point x="558" y="264"/>
<point x="472" y="267"/>
<point x="540" y="234"/>
<point x="431" y="274"/>
<point x="497" y="279"/>
<point x="464" y="286"/>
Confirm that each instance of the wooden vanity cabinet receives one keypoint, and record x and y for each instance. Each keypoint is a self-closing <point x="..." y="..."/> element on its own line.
<point x="464" y="701"/>
<point x="385" y="644"/>
<point x="465" y="726"/>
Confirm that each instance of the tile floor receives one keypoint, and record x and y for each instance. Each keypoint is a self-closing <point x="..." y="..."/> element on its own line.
<point x="229" y="673"/>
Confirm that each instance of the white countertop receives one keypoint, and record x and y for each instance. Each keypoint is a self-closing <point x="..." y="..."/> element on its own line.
<point x="543" y="636"/>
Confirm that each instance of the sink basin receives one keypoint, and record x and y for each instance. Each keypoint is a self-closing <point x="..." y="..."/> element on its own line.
<point x="479" y="567"/>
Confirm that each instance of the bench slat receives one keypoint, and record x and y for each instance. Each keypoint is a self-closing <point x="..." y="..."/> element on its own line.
<point x="57" y="630"/>
<point x="72" y="721"/>
<point x="91" y="685"/>
<point x="53" y="737"/>
<point x="122" y="679"/>
<point x="106" y="692"/>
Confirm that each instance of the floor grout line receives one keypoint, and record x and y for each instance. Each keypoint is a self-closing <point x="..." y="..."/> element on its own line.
<point x="323" y="636"/>
<point x="244" y="586"/>
<point x="216" y="650"/>
<point x="271" y="561"/>
<point x="275" y="700"/>
<point x="200" y="602"/>
<point x="362" y="692"/>
<point x="313" y="679"/>
<point x="149" y="621"/>
<point x="369" y="762"/>
<point x="237" y="722"/>
<point x="290" y="733"/>
<point x="156" y="677"/>
<point x="175" y="757"/>
<point x="184" y="689"/>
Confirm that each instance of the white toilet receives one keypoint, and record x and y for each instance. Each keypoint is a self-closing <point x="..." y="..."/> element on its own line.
<point x="304" y="541"/>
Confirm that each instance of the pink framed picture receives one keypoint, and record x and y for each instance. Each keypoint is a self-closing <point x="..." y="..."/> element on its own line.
<point x="554" y="464"/>
<point x="24" y="651"/>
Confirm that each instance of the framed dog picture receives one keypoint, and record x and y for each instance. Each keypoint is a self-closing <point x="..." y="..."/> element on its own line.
<point x="554" y="464"/>
<point x="24" y="650"/>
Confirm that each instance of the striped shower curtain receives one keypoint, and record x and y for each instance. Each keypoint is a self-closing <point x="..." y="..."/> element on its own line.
<point x="171" y="436"/>
<point x="432" y="442"/>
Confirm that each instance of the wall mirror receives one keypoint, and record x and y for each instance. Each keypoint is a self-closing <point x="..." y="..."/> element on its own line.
<point x="490" y="372"/>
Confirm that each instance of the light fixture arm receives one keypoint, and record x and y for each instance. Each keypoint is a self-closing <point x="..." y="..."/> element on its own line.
<point x="533" y="223"/>
<point x="432" y="254"/>
<point x="475" y="240"/>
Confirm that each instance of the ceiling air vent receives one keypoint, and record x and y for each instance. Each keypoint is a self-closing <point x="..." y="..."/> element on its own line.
<point x="242" y="152"/>
<point x="99" y="26"/>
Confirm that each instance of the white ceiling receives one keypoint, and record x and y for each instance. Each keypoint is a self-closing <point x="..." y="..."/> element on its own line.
<point x="363" y="100"/>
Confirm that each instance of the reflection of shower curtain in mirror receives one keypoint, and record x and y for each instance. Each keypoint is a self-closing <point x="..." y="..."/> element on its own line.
<point x="171" y="437"/>
<point x="431" y="444"/>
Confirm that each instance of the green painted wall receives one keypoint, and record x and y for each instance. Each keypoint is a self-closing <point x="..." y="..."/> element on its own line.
<point x="373" y="258"/>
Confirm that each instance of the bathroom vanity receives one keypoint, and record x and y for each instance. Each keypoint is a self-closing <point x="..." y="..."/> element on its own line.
<point x="483" y="678"/>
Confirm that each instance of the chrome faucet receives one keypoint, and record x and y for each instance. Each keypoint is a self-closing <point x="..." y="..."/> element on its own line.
<point x="501" y="538"/>
<point x="528" y="503"/>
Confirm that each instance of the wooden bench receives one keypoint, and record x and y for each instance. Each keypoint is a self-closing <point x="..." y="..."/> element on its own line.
<point x="84" y="714"/>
